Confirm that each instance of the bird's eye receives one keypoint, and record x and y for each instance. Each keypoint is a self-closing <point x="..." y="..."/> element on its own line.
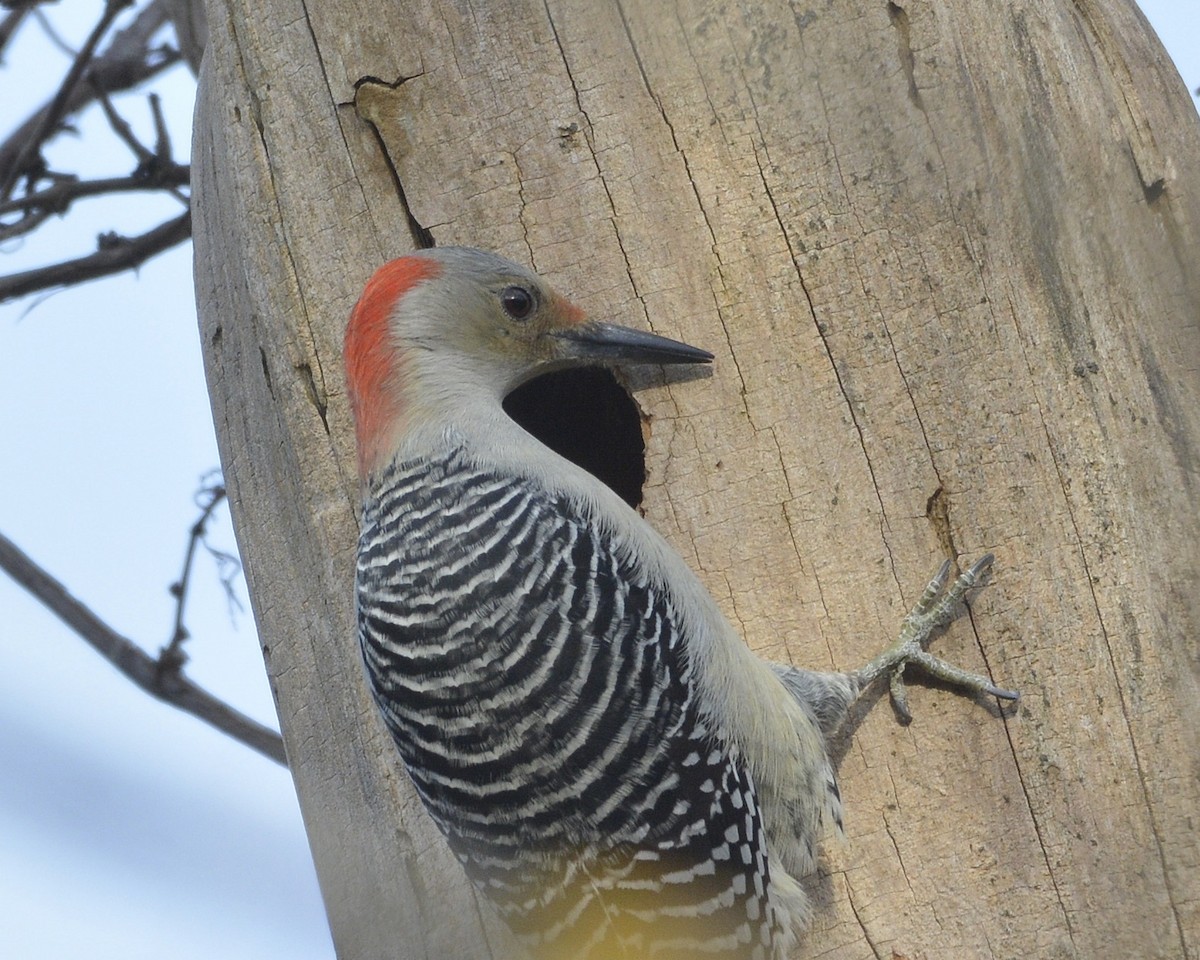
<point x="517" y="302"/>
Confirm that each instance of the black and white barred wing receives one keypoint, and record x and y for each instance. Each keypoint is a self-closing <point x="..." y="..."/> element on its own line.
<point x="539" y="691"/>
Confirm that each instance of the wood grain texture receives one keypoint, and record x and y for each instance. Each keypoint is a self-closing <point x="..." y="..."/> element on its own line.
<point x="945" y="255"/>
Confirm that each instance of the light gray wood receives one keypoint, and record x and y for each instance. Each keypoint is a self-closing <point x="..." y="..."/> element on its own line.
<point x="946" y="257"/>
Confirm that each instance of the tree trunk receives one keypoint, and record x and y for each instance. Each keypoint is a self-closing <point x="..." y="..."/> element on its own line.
<point x="946" y="257"/>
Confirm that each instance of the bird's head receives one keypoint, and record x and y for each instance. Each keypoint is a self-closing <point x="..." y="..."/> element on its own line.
<point x="453" y="324"/>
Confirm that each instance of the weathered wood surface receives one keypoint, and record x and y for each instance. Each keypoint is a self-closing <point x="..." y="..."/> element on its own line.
<point x="946" y="257"/>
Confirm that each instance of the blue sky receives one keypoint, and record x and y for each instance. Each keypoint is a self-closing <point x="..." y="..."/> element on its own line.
<point x="128" y="829"/>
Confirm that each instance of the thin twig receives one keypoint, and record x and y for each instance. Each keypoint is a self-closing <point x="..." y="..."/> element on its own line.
<point x="162" y="139"/>
<point x="172" y="656"/>
<point x="114" y="255"/>
<point x="48" y="29"/>
<point x="27" y="224"/>
<point x="66" y="190"/>
<point x="173" y="688"/>
<point x="229" y="565"/>
<point x="120" y="126"/>
<point x="8" y="26"/>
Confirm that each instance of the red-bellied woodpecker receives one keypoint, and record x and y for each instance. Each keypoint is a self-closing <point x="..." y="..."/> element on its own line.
<point x="616" y="771"/>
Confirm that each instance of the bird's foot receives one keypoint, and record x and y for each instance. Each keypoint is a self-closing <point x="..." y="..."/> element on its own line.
<point x="936" y="608"/>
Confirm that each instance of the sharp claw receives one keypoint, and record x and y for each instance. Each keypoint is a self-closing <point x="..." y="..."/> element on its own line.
<point x="981" y="565"/>
<point x="899" y="694"/>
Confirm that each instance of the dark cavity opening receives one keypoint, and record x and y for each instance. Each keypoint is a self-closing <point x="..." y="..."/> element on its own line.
<point x="584" y="415"/>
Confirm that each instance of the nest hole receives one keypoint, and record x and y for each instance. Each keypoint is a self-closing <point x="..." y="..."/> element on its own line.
<point x="585" y="415"/>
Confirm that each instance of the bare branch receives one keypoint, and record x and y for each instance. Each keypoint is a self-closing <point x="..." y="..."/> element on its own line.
<point x="115" y="254"/>
<point x="126" y="62"/>
<point x="66" y="190"/>
<point x="150" y="162"/>
<point x="58" y="106"/>
<point x="170" y="686"/>
<point x="35" y="193"/>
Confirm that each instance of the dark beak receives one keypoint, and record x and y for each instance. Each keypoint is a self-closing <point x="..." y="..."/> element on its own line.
<point x="609" y="343"/>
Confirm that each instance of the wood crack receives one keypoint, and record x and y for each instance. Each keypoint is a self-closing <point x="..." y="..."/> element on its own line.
<point x="364" y="107"/>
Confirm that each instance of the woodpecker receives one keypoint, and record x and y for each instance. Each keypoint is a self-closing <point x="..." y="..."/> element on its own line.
<point x="614" y="769"/>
